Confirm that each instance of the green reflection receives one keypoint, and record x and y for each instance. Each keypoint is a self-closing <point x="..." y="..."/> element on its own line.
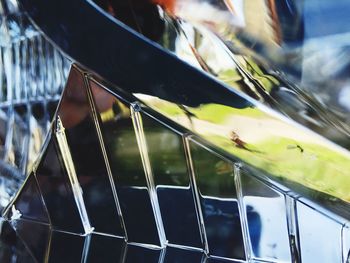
<point x="215" y="176"/>
<point x="166" y="153"/>
<point x="278" y="147"/>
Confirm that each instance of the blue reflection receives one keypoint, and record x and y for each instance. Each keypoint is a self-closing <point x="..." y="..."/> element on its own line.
<point x="315" y="229"/>
<point x="255" y="226"/>
<point x="326" y="17"/>
<point x="267" y="220"/>
<point x="172" y="181"/>
<point x="223" y="227"/>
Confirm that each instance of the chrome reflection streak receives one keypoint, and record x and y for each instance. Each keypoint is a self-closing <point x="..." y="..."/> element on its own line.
<point x="224" y="209"/>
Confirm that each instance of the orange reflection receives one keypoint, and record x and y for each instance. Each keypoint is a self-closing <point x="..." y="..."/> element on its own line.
<point x="74" y="106"/>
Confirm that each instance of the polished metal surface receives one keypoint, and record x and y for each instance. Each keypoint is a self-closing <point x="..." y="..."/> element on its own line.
<point x="272" y="57"/>
<point x="173" y="183"/>
<point x="219" y="207"/>
<point x="86" y="167"/>
<point x="161" y="180"/>
<point x="186" y="144"/>
<point x="126" y="166"/>
<point x="266" y="219"/>
<point x="294" y="54"/>
<point x="314" y="229"/>
<point x="233" y="122"/>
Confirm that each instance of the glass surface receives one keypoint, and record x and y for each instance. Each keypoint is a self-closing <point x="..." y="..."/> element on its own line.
<point x="105" y="249"/>
<point x="320" y="236"/>
<point x="177" y="255"/>
<point x="88" y="160"/>
<point x="265" y="211"/>
<point x="137" y="254"/>
<point x="65" y="247"/>
<point x="12" y="249"/>
<point x="35" y="237"/>
<point x="57" y="191"/>
<point x="126" y="166"/>
<point x="218" y="198"/>
<point x="172" y="181"/>
<point x="29" y="202"/>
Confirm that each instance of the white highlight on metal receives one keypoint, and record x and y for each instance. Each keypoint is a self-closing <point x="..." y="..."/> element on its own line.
<point x="242" y="211"/>
<point x="69" y="165"/>
<point x="141" y="142"/>
<point x="16" y="214"/>
<point x="293" y="228"/>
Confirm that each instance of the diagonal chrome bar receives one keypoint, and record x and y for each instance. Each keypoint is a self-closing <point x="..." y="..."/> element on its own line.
<point x="69" y="165"/>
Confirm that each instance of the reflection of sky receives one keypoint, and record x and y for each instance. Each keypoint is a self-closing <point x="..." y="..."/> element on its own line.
<point x="223" y="227"/>
<point x="326" y="17"/>
<point x="320" y="236"/>
<point x="273" y="233"/>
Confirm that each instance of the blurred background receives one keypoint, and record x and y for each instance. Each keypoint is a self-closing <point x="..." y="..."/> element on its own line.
<point x="32" y="75"/>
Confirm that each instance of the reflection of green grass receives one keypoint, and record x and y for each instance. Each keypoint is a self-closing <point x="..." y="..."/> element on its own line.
<point x="267" y="81"/>
<point x="216" y="113"/>
<point x="316" y="167"/>
<point x="214" y="176"/>
<point x="230" y="77"/>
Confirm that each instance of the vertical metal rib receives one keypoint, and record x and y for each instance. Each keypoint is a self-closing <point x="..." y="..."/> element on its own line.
<point x="293" y="229"/>
<point x="196" y="194"/>
<point x="345" y="243"/>
<point x="141" y="142"/>
<point x="86" y="248"/>
<point x="69" y="165"/>
<point x="242" y="211"/>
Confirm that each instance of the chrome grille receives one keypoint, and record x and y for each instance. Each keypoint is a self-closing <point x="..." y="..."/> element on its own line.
<point x="114" y="172"/>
